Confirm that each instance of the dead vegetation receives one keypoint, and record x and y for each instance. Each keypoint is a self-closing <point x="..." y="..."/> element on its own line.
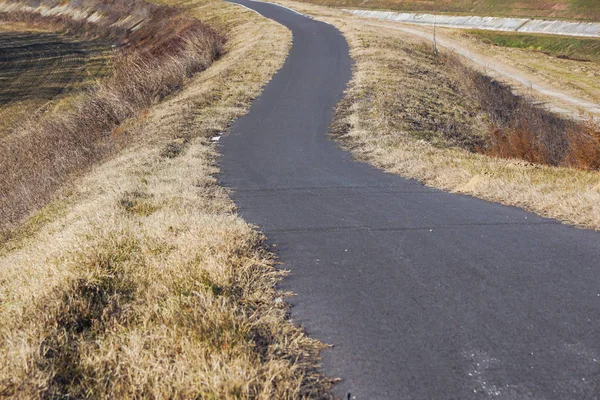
<point x="139" y="281"/>
<point x="447" y="103"/>
<point x="186" y="312"/>
<point x="41" y="153"/>
<point x="519" y="128"/>
<point x="439" y="114"/>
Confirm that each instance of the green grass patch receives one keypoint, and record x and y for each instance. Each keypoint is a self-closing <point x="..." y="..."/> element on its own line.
<point x="586" y="49"/>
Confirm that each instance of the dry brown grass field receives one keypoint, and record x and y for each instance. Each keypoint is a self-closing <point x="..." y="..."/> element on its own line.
<point x="138" y="280"/>
<point x="39" y="68"/>
<point x="411" y="113"/>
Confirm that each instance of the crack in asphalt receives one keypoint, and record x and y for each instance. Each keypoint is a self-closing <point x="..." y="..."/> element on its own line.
<point x="406" y="229"/>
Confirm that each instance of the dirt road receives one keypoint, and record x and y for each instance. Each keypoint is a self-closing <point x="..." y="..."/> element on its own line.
<point x="558" y="99"/>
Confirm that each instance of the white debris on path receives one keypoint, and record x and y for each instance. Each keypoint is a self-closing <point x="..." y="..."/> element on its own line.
<point x="568" y="28"/>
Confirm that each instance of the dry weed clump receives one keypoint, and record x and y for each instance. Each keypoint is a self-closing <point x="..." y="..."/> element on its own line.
<point x="584" y="146"/>
<point x="41" y="154"/>
<point x="521" y="129"/>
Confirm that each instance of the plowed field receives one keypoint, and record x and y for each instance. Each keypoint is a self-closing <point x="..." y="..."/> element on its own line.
<point x="38" y="67"/>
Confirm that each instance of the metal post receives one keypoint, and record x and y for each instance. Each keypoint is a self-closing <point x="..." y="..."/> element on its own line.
<point x="435" y="51"/>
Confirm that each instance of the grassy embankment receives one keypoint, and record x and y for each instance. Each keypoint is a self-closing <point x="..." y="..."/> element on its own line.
<point x="138" y="279"/>
<point x="580" y="49"/>
<point x="564" y="9"/>
<point x="43" y="151"/>
<point x="430" y="118"/>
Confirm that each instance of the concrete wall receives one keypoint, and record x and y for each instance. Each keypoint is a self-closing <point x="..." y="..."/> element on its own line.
<point x="589" y="29"/>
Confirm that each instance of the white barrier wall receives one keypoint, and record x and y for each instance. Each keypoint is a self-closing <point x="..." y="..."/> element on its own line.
<point x="590" y="29"/>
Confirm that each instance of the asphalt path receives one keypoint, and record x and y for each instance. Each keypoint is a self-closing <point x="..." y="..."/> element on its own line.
<point x="424" y="294"/>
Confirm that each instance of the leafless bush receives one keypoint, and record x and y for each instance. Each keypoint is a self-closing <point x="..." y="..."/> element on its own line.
<point x="519" y="128"/>
<point x="584" y="150"/>
<point x="41" y="155"/>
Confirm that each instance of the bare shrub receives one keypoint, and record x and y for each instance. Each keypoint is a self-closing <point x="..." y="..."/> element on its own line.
<point x="520" y="128"/>
<point x="584" y="150"/>
<point x="155" y="61"/>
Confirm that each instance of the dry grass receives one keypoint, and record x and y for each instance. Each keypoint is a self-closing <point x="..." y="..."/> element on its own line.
<point x="521" y="129"/>
<point x="372" y="124"/>
<point x="423" y="95"/>
<point x="141" y="281"/>
<point x="42" y="153"/>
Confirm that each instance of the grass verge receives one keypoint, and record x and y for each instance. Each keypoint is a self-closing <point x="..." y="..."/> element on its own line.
<point x="579" y="49"/>
<point x="568" y="9"/>
<point x="146" y="283"/>
<point x="399" y="87"/>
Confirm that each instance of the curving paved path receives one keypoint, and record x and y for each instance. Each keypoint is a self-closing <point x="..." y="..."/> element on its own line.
<point x="425" y="294"/>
